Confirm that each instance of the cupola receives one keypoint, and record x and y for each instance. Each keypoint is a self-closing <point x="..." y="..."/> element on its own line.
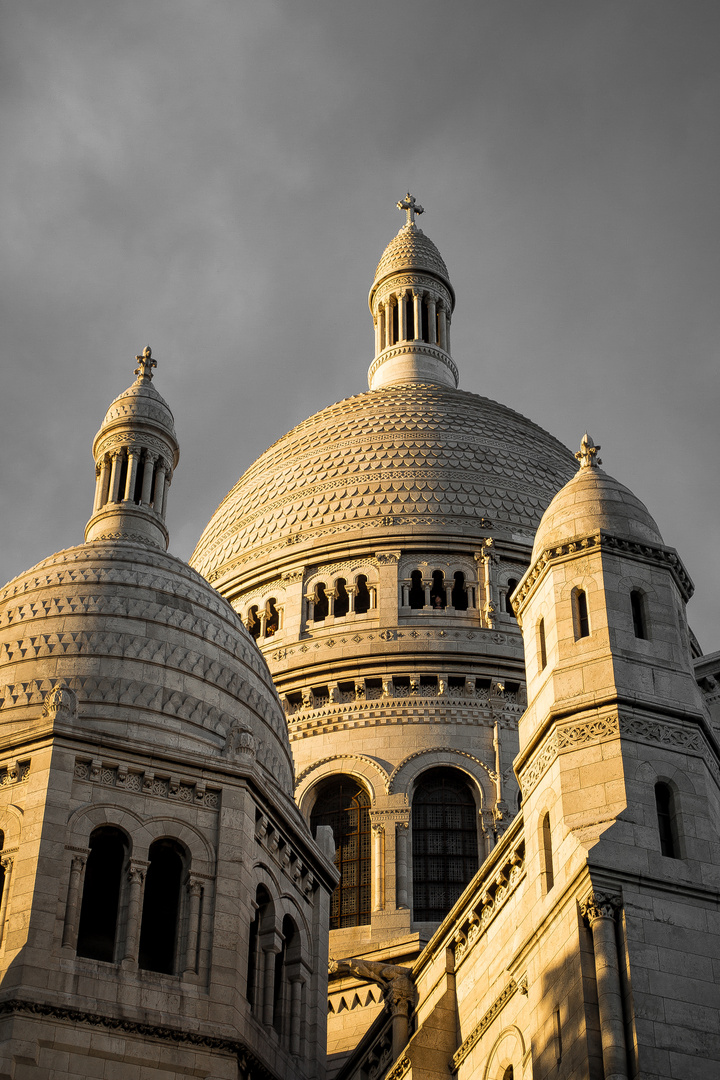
<point x="135" y="451"/>
<point x="411" y="301"/>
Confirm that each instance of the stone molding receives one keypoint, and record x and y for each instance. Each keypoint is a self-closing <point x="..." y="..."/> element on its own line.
<point x="566" y="737"/>
<point x="438" y="750"/>
<point x="284" y="855"/>
<point x="485" y="1021"/>
<point x="502" y="881"/>
<point x="400" y="1068"/>
<point x="418" y="348"/>
<point x="134" y="440"/>
<point x="246" y="1058"/>
<point x="145" y="782"/>
<point x="652" y="553"/>
<point x="343" y="634"/>
<point x="381" y="713"/>
<point x="399" y="280"/>
<point x="15" y="772"/>
<point x="378" y="769"/>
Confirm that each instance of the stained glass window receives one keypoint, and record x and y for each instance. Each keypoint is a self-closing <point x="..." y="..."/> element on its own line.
<point x="345" y="806"/>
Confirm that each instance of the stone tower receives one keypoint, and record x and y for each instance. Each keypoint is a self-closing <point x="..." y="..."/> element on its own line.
<point x="164" y="908"/>
<point x="371" y="552"/>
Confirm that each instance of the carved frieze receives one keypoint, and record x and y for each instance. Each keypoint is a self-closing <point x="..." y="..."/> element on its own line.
<point x="119" y="775"/>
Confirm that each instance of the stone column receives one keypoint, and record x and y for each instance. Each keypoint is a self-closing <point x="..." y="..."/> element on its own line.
<point x="310" y="600"/>
<point x="168" y="482"/>
<point x="150" y="460"/>
<point x="268" y="988"/>
<point x="399" y="1000"/>
<point x="378" y="342"/>
<point x="442" y="327"/>
<point x="432" y="320"/>
<point x="381" y="328"/>
<point x="417" y="309"/>
<point x="195" y="891"/>
<point x="448" y="321"/>
<point x="599" y="911"/>
<point x="331" y="597"/>
<point x="378" y="877"/>
<point x="404" y="594"/>
<point x="136" y="882"/>
<point x="160" y="469"/>
<point x="427" y="586"/>
<point x="7" y="865"/>
<point x="449" y="585"/>
<point x="296" y="1011"/>
<point x="72" y="906"/>
<point x="116" y="458"/>
<point x="133" y="460"/>
<point x="102" y="483"/>
<point x="401" y="842"/>
<point x="402" y="317"/>
<point x="388" y="324"/>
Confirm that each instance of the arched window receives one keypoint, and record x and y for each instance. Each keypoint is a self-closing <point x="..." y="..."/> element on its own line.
<point x="272" y="618"/>
<point x="253" y="622"/>
<point x="546" y="854"/>
<point x="395" y="322"/>
<point x="508" y="1074"/>
<point x="161" y="907"/>
<point x="262" y="924"/>
<point x="321" y="603"/>
<point x="459" y="594"/>
<point x="345" y="806"/>
<point x="287" y="991"/>
<point x="542" y="647"/>
<point x="342" y="599"/>
<point x="581" y="622"/>
<point x="417" y="590"/>
<point x="437" y="590"/>
<point x="101" y="894"/>
<point x="511" y="587"/>
<point x="362" y="595"/>
<point x="444" y="842"/>
<point x="637" y="604"/>
<point x="667" y="821"/>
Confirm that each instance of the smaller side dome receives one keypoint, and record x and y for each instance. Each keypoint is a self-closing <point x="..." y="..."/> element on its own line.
<point x="136" y="451"/>
<point x="592" y="501"/>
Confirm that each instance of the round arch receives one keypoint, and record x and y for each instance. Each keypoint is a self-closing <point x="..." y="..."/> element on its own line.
<point x="508" y="1050"/>
<point x="367" y="772"/>
<point x="405" y="775"/>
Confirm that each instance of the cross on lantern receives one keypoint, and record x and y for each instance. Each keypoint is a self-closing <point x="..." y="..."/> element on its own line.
<point x="411" y="206"/>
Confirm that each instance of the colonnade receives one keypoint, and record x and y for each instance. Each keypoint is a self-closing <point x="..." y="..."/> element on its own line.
<point x="411" y="305"/>
<point x="112" y="475"/>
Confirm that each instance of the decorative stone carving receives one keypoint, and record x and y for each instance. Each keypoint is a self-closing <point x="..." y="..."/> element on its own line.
<point x="61" y="702"/>
<point x="239" y="742"/>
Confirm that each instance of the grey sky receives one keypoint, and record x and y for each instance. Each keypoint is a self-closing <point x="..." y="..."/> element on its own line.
<point x="219" y="178"/>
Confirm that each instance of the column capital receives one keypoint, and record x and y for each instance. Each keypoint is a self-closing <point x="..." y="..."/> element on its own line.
<point x="599" y="905"/>
<point x="195" y="886"/>
<point x="78" y="862"/>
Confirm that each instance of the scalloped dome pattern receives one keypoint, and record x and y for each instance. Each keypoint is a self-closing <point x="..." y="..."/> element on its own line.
<point x="140" y="400"/>
<point x="153" y="653"/>
<point x="411" y="249"/>
<point x="401" y="456"/>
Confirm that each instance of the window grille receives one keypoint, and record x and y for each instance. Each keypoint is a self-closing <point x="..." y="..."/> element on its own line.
<point x="345" y="806"/>
<point x="444" y="842"/>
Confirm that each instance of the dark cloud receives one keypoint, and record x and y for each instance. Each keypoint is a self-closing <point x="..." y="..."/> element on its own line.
<point x="219" y="179"/>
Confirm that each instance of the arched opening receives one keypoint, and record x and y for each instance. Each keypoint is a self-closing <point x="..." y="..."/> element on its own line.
<point x="123" y="476"/>
<point x="511" y="587"/>
<point x="253" y="622"/>
<point x="262" y="923"/>
<point x="272" y="617"/>
<point x="139" y="473"/>
<point x="637" y="604"/>
<point x="546" y="854"/>
<point x="444" y="842"/>
<point x="508" y="1074"/>
<point x="581" y="621"/>
<point x="542" y="647"/>
<point x="459" y="593"/>
<point x="409" y="319"/>
<point x="287" y="963"/>
<point x="321" y="603"/>
<point x="425" y="324"/>
<point x="667" y="820"/>
<point x="97" y="931"/>
<point x="395" y="322"/>
<point x="342" y="600"/>
<point x="345" y="807"/>
<point x="437" y="590"/>
<point x="161" y="907"/>
<point x="417" y="590"/>
<point x="362" y="595"/>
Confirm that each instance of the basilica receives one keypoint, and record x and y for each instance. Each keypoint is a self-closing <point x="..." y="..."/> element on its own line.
<point x="412" y="773"/>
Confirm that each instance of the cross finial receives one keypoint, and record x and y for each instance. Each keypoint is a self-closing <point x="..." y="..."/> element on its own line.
<point x="145" y="365"/>
<point x="411" y="206"/>
<point x="587" y="454"/>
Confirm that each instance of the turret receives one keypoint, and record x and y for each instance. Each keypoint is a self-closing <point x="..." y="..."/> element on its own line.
<point x="411" y="301"/>
<point x="136" y="452"/>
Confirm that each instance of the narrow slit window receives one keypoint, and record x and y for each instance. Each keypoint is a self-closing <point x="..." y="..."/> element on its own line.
<point x="637" y="603"/>
<point x="547" y="853"/>
<point x="542" y="647"/>
<point x="580" y="612"/>
<point x="667" y="821"/>
<point x="511" y="587"/>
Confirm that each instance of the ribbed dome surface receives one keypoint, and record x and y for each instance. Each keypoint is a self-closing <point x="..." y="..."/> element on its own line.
<point x="141" y="400"/>
<point x="591" y="501"/>
<point x="410" y="250"/>
<point x="154" y="655"/>
<point x="398" y="459"/>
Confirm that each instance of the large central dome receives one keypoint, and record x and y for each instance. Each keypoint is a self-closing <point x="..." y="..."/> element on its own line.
<point x="392" y="460"/>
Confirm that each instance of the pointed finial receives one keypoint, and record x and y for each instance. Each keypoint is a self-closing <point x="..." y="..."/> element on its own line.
<point x="587" y="454"/>
<point x="411" y="206"/>
<point x="145" y="365"/>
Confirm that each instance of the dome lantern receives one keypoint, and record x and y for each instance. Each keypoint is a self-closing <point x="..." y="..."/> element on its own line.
<point x="411" y="301"/>
<point x="136" y="452"/>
